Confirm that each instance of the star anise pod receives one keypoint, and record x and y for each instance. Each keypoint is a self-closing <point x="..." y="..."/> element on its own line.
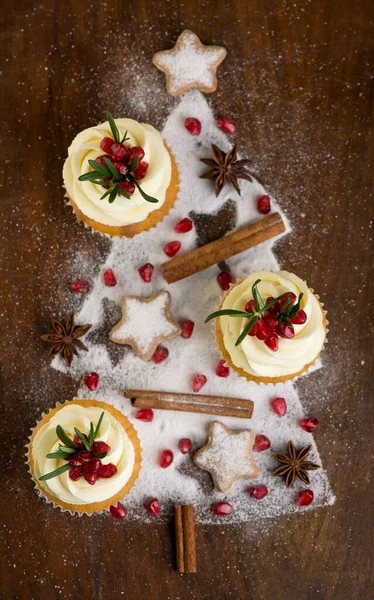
<point x="293" y="463"/>
<point x="65" y="338"/>
<point x="225" y="169"/>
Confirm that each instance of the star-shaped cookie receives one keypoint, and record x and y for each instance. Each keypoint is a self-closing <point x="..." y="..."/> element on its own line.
<point x="190" y="64"/>
<point x="145" y="323"/>
<point x="227" y="456"/>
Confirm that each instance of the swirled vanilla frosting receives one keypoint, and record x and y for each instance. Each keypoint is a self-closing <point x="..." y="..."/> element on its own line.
<point x="123" y="211"/>
<point x="252" y="355"/>
<point x="121" y="454"/>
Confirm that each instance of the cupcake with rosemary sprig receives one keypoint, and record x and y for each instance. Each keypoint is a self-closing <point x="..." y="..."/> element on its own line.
<point x="270" y="327"/>
<point x="120" y="177"/>
<point x="84" y="456"/>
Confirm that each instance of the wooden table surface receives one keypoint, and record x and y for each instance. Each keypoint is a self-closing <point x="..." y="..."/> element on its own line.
<point x="297" y="79"/>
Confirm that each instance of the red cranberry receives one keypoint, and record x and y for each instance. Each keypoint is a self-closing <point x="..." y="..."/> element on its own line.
<point x="144" y="414"/>
<point x="300" y="318"/>
<point x="193" y="125"/>
<point x="118" y="512"/>
<point x="106" y="145"/>
<point x="80" y="286"/>
<point x="107" y="471"/>
<point x="119" y="151"/>
<point x="251" y="304"/>
<point x="185" y="445"/>
<point x="92" y="381"/>
<point x="75" y="473"/>
<point x="166" y="458"/>
<point x="198" y="381"/>
<point x="146" y="272"/>
<point x="263" y="205"/>
<point x="222" y="509"/>
<point x="226" y="124"/>
<point x="272" y="342"/>
<point x="187" y="328"/>
<point x="259" y="491"/>
<point x="304" y="498"/>
<point x="161" y="354"/>
<point x="222" y="369"/>
<point x="279" y="406"/>
<point x="172" y="248"/>
<point x="136" y="151"/>
<point x="183" y="226"/>
<point x="153" y="506"/>
<point x="285" y="331"/>
<point x="99" y="447"/>
<point x="261" y="443"/>
<point x="224" y="279"/>
<point x="141" y="171"/>
<point x="263" y="330"/>
<point x="309" y="425"/>
<point x="128" y="188"/>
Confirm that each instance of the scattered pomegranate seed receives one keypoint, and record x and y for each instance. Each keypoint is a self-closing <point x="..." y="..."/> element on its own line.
<point x="136" y="151"/>
<point x="272" y="342"/>
<point x="300" y="318"/>
<point x="286" y="331"/>
<point x="80" y="286"/>
<point x="161" y="354"/>
<point x="251" y="304"/>
<point x="129" y="188"/>
<point x="263" y="205"/>
<point x="187" y="328"/>
<point x="279" y="406"/>
<point x="110" y="278"/>
<point x="118" y="512"/>
<point x="145" y="414"/>
<point x="153" y="506"/>
<point x="198" y="381"/>
<point x="226" y="124"/>
<point x="141" y="171"/>
<point x="259" y="491"/>
<point x="185" y="445"/>
<point x="304" y="498"/>
<point x="166" y="458"/>
<point x="183" y="226"/>
<point x="172" y="248"/>
<point x="146" y="272"/>
<point x="107" y="471"/>
<point x="106" y="145"/>
<point x="193" y="125"/>
<point x="309" y="425"/>
<point x="99" y="447"/>
<point x="261" y="443"/>
<point x="224" y="279"/>
<point x="75" y="473"/>
<point x="222" y="369"/>
<point x="222" y="509"/>
<point x="92" y="381"/>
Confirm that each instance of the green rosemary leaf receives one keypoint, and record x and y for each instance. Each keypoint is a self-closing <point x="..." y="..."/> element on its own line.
<point x="103" y="171"/>
<point x="82" y="439"/>
<point x="100" y="454"/>
<point x="91" y="435"/>
<point x="246" y="330"/>
<point x="134" y="163"/>
<point x="296" y="307"/>
<point x="257" y="296"/>
<point x="64" y="438"/>
<point x="55" y="473"/>
<point x="59" y="454"/>
<point x="125" y="137"/>
<point x="113" y="127"/>
<point x="270" y="304"/>
<point x="122" y="192"/>
<point x="145" y="196"/>
<point x="113" y="194"/>
<point x="67" y="449"/>
<point x="90" y="176"/>
<point x="285" y="307"/>
<point x="98" y="425"/>
<point x="106" y="194"/>
<point x="229" y="312"/>
<point x="112" y="169"/>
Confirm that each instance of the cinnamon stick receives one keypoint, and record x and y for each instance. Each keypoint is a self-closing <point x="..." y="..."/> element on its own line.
<point x="179" y="537"/>
<point x="185" y="538"/>
<point x="211" y="405"/>
<point x="201" y="258"/>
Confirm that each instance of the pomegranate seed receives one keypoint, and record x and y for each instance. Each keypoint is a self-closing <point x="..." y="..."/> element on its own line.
<point x="75" y="473"/>
<point x="271" y="319"/>
<point x="119" y="151"/>
<point x="92" y="381"/>
<point x="304" y="498"/>
<point x="153" y="506"/>
<point x="259" y="491"/>
<point x="252" y="332"/>
<point x="166" y="458"/>
<point x="146" y="272"/>
<point x="261" y="443"/>
<point x="251" y="304"/>
<point x="224" y="279"/>
<point x="300" y="318"/>
<point x="91" y="478"/>
<point x="93" y="466"/>
<point x="187" y="328"/>
<point x="107" y="471"/>
<point x="119" y="166"/>
<point x="222" y="369"/>
<point x="183" y="226"/>
<point x="74" y="460"/>
<point x="172" y="248"/>
<point x="273" y="309"/>
<point x="279" y="406"/>
<point x="129" y="188"/>
<point x="263" y="330"/>
<point x="283" y="301"/>
<point x="144" y="414"/>
<point x="198" y="381"/>
<point x="106" y="145"/>
<point x="161" y="354"/>
<point x="309" y="425"/>
<point x="80" y="286"/>
<point x="286" y="331"/>
<point x="100" y="160"/>
<point x="99" y="447"/>
<point x="222" y="509"/>
<point x="185" y="445"/>
<point x="136" y="151"/>
<point x="272" y="342"/>
<point x="84" y="457"/>
<point x="118" y="512"/>
<point x="110" y="278"/>
<point x="226" y="124"/>
<point x="263" y="205"/>
<point x="141" y="171"/>
<point x="193" y="125"/>
<point x="77" y="441"/>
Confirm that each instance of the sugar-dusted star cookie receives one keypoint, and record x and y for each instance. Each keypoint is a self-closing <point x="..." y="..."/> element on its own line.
<point x="190" y="64"/>
<point x="227" y="456"/>
<point x="145" y="323"/>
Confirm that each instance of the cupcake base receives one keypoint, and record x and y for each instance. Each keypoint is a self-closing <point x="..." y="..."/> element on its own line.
<point x="93" y="507"/>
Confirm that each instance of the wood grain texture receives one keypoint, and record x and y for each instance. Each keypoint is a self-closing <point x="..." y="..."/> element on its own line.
<point x="297" y="79"/>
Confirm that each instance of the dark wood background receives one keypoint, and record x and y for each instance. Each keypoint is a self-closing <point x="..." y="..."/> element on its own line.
<point x="298" y="81"/>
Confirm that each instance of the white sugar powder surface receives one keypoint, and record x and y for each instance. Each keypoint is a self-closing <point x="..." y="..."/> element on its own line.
<point x="193" y="298"/>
